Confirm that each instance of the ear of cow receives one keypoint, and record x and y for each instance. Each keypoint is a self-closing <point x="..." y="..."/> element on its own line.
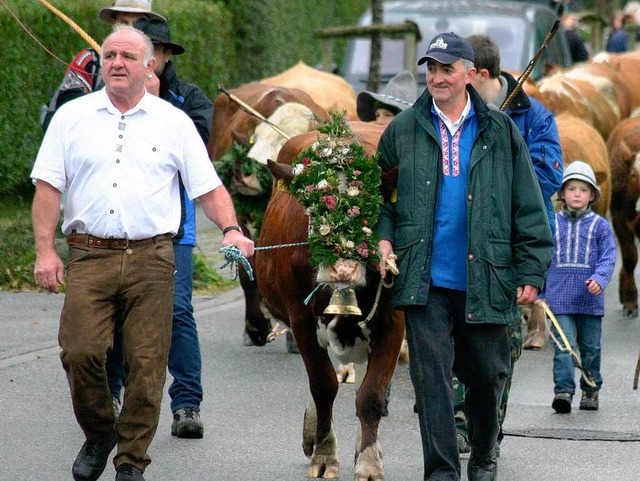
<point x="239" y="139"/>
<point x="601" y="177"/>
<point x="280" y="171"/>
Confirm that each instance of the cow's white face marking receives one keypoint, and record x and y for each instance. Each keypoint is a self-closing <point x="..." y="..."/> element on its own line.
<point x="292" y="118"/>
<point x="328" y="339"/>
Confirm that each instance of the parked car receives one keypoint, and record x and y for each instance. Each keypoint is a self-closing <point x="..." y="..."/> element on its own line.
<point x="519" y="29"/>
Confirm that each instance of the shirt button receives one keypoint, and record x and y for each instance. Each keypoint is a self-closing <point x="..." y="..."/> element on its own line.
<point x="469" y="316"/>
<point x="484" y="147"/>
<point x="122" y="118"/>
<point x="115" y="185"/>
<point x="471" y="257"/>
<point x="428" y="182"/>
<point x="129" y="251"/>
<point x="117" y="161"/>
<point x="413" y="297"/>
<point x="120" y="136"/>
<point x="470" y="197"/>
<point x="111" y="211"/>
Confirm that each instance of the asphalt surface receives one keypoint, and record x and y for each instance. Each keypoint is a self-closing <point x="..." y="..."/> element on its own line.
<point x="255" y="398"/>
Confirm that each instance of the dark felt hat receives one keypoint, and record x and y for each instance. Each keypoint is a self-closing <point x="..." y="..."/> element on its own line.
<point x="157" y="29"/>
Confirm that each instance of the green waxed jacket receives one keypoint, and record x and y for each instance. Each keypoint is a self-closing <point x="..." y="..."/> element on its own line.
<point x="510" y="242"/>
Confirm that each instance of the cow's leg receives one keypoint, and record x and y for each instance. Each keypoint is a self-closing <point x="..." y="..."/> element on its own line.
<point x="370" y="399"/>
<point x="323" y="384"/>
<point x="624" y="230"/>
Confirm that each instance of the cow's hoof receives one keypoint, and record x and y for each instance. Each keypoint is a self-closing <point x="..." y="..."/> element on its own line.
<point x="322" y="470"/>
<point x="630" y="312"/>
<point x="254" y="338"/>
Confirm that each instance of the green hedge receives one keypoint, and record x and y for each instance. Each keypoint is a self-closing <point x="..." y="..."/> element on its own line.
<point x="227" y="42"/>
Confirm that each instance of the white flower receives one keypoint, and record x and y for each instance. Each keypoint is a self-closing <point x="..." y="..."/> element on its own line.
<point x="326" y="152"/>
<point x="348" y="244"/>
<point x="367" y="231"/>
<point x="324" y="229"/>
<point x="297" y="170"/>
<point x="353" y="191"/>
<point x="323" y="185"/>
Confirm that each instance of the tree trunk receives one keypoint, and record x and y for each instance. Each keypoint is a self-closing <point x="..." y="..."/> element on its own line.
<point x="373" y="81"/>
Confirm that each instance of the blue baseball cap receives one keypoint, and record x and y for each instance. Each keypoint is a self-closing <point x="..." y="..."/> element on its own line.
<point x="446" y="48"/>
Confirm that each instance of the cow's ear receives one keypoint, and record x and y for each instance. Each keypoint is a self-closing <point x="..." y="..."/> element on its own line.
<point x="280" y="171"/>
<point x="601" y="177"/>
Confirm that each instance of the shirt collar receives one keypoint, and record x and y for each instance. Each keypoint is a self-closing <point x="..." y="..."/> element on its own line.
<point x="454" y="126"/>
<point x="145" y="104"/>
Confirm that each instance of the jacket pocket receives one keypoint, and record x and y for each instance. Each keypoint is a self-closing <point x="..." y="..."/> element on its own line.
<point x="502" y="275"/>
<point x="406" y="240"/>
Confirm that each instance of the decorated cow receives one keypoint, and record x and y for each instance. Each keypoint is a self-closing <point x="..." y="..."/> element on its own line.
<point x="326" y="286"/>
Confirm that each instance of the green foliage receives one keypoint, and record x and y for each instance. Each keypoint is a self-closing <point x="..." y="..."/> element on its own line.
<point x="205" y="277"/>
<point x="17" y="254"/>
<point x="339" y="186"/>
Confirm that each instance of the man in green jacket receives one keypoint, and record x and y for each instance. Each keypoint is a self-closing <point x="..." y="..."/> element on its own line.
<point x="468" y="226"/>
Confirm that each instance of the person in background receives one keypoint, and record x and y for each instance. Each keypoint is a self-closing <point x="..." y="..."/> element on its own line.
<point x="122" y="208"/>
<point x="398" y="95"/>
<point x="540" y="133"/>
<point x="577" y="48"/>
<point x="583" y="260"/>
<point x="472" y="240"/>
<point x="618" y="40"/>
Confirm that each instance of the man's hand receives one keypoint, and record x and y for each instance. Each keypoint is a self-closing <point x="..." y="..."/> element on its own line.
<point x="233" y="237"/>
<point x="526" y="294"/>
<point x="48" y="272"/>
<point x="386" y="252"/>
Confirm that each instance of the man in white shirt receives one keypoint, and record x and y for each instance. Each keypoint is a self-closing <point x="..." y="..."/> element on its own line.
<point x="118" y="153"/>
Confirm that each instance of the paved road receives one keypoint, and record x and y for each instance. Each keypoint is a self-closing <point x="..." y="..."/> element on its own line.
<point x="254" y="401"/>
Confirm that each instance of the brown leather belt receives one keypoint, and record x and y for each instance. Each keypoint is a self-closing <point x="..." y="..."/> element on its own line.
<point x="117" y="244"/>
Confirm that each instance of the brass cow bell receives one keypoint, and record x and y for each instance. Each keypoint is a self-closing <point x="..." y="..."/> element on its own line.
<point x="343" y="301"/>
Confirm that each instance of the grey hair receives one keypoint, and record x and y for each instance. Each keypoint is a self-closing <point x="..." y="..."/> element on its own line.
<point x="147" y="51"/>
<point x="468" y="64"/>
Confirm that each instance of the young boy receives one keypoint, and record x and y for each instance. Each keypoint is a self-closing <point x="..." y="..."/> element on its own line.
<point x="582" y="264"/>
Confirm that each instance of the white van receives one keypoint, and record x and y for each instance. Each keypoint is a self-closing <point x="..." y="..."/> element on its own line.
<point x="518" y="28"/>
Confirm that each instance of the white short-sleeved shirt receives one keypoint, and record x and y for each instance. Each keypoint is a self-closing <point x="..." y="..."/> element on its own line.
<point x="120" y="171"/>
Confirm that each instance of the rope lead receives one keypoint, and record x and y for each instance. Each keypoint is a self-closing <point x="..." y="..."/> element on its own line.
<point x="233" y="256"/>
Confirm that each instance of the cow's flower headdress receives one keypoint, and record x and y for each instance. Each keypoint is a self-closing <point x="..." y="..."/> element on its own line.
<point x="339" y="187"/>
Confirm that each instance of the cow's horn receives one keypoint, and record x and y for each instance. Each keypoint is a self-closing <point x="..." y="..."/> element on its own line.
<point x="343" y="301"/>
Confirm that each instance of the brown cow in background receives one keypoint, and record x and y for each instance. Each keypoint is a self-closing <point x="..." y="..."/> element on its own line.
<point x="624" y="150"/>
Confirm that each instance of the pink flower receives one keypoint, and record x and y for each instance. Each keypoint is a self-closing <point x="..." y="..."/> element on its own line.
<point x="353" y="211"/>
<point x="363" y="250"/>
<point x="308" y="189"/>
<point x="356" y="173"/>
<point x="329" y="201"/>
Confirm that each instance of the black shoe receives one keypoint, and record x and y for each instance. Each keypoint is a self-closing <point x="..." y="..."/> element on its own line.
<point x="187" y="424"/>
<point x="463" y="444"/>
<point x="562" y="402"/>
<point x="92" y="458"/>
<point x="128" y="472"/>
<point x="482" y="467"/>
<point x="589" y="401"/>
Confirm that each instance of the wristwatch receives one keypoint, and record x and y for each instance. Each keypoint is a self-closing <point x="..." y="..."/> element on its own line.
<point x="231" y="227"/>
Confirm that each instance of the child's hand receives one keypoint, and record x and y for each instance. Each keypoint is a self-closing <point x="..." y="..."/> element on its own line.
<point x="593" y="287"/>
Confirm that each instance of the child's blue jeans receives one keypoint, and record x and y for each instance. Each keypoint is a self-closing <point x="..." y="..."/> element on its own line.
<point x="585" y="332"/>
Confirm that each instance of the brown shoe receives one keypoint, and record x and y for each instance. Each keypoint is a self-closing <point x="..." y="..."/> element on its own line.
<point x="589" y="401"/>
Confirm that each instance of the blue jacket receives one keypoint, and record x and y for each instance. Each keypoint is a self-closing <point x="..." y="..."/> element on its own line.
<point x="540" y="132"/>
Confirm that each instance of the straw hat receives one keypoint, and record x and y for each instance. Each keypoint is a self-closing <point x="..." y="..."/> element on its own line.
<point x="107" y="14"/>
<point x="400" y="92"/>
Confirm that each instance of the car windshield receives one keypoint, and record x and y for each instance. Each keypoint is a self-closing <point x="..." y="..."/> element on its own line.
<point x="507" y="31"/>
